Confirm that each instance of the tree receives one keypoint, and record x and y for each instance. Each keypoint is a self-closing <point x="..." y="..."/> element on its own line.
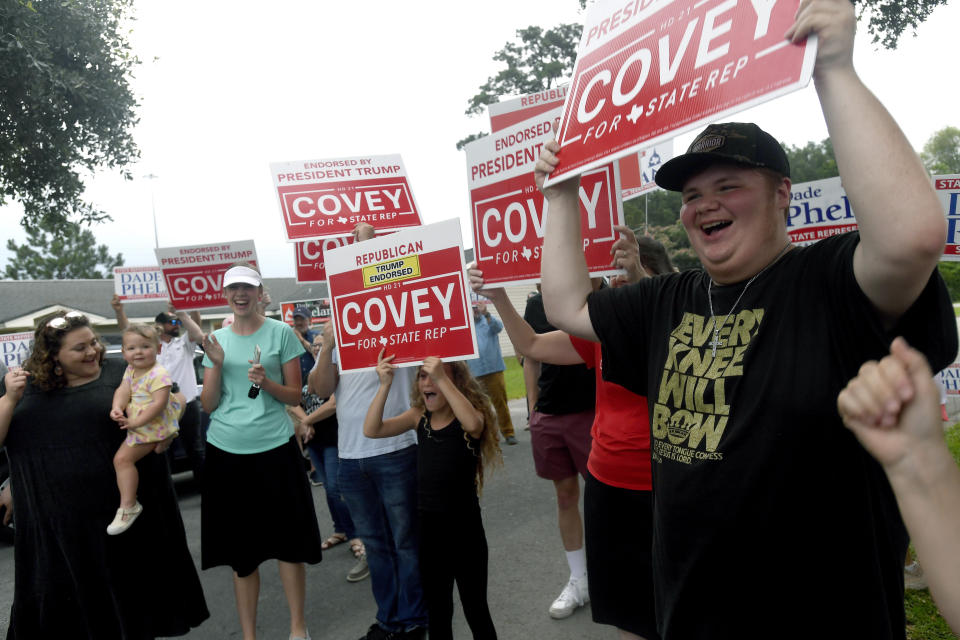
<point x="888" y="19"/>
<point x="59" y="251"/>
<point x="537" y="62"/>
<point x="814" y="161"/>
<point x="65" y="103"/>
<point x="941" y="153"/>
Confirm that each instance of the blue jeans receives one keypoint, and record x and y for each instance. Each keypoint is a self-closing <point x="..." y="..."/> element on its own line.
<point x="327" y="464"/>
<point x="381" y="493"/>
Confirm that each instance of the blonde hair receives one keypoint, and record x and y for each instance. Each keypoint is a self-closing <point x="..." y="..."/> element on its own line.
<point x="144" y="331"/>
<point x="463" y="380"/>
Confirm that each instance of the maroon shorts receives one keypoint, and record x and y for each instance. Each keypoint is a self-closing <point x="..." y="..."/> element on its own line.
<point x="561" y="443"/>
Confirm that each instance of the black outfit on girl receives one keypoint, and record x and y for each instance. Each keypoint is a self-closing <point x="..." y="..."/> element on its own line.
<point x="453" y="546"/>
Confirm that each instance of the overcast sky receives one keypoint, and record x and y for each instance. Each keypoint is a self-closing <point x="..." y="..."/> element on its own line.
<point x="225" y="91"/>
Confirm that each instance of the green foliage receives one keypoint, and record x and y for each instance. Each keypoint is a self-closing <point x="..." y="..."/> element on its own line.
<point x="470" y="138"/>
<point x="953" y="441"/>
<point x="65" y="102"/>
<point x="888" y="19"/>
<point x="815" y="161"/>
<point x="535" y="63"/>
<point x="59" y="252"/>
<point x="941" y="153"/>
<point x="951" y="276"/>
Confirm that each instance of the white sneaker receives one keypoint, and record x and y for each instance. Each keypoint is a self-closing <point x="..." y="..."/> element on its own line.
<point x="573" y="596"/>
<point x="123" y="519"/>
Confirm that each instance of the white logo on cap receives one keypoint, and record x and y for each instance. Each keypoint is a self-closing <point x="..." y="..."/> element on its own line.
<point x="707" y="143"/>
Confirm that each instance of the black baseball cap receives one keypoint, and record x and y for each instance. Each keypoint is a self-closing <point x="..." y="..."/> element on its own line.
<point x="741" y="143"/>
<point x="164" y="317"/>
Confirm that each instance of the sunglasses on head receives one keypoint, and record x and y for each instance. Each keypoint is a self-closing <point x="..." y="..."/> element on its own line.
<point x="63" y="321"/>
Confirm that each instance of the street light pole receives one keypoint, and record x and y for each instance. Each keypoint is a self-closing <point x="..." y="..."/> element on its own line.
<point x="153" y="204"/>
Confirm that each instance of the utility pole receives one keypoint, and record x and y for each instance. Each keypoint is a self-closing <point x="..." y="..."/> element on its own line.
<point x="153" y="204"/>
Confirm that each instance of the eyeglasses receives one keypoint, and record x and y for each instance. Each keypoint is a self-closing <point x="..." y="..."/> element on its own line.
<point x="61" y="322"/>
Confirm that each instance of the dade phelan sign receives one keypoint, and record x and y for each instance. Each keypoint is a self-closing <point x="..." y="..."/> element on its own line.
<point x="194" y="275"/>
<point x="648" y="70"/>
<point x="15" y="348"/>
<point x="948" y="191"/>
<point x="509" y="212"/>
<point x="324" y="198"/>
<point x="406" y="293"/>
<point x="137" y="284"/>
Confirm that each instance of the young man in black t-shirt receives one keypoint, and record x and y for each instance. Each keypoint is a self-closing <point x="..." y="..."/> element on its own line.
<point x="753" y="472"/>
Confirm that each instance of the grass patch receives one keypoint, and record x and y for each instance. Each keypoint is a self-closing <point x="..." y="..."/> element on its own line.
<point x="923" y="619"/>
<point x="953" y="441"/>
<point x="513" y="378"/>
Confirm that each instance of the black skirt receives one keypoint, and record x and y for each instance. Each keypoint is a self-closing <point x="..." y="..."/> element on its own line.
<point x="257" y="507"/>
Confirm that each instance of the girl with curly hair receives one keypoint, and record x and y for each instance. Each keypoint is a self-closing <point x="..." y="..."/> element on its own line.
<point x="457" y="438"/>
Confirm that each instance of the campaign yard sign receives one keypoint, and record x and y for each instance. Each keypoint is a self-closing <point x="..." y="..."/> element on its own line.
<point x="308" y="256"/>
<point x="15" y="348"/>
<point x="138" y="284"/>
<point x="509" y="212"/>
<point x="507" y="113"/>
<point x="194" y="274"/>
<point x="407" y="293"/>
<point x="948" y="191"/>
<point x="327" y="198"/>
<point x="818" y="210"/>
<point x="648" y="70"/>
<point x="319" y="310"/>
<point x="639" y="170"/>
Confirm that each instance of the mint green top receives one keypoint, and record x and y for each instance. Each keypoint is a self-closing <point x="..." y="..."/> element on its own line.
<point x="240" y="424"/>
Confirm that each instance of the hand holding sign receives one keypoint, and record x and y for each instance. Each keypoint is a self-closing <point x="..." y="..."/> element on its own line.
<point x="385" y="369"/>
<point x="16" y="382"/>
<point x="834" y="23"/>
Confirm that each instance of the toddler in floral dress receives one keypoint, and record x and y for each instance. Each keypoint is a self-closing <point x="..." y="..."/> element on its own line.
<point x="143" y="405"/>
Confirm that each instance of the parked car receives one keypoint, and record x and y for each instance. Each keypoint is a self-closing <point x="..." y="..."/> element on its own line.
<point x="176" y="454"/>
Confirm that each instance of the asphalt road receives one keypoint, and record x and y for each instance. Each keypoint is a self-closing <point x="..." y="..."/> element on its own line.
<point x="527" y="568"/>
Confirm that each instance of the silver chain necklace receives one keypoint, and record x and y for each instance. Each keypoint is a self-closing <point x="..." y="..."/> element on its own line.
<point x="717" y="342"/>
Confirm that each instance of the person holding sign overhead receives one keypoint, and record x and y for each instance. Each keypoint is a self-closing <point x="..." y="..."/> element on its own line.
<point x="753" y="472"/>
<point x="251" y="371"/>
<point x="378" y="480"/>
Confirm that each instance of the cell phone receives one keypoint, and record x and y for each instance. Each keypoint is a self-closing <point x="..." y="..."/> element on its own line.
<point x="255" y="388"/>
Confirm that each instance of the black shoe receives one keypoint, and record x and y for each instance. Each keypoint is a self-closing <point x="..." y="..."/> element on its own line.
<point x="417" y="633"/>
<point x="376" y="632"/>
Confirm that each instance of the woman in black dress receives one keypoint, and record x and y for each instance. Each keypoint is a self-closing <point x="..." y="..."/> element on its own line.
<point x="72" y="580"/>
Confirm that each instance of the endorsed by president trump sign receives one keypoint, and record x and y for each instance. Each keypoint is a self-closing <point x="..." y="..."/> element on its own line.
<point x="324" y="198"/>
<point x="406" y="293"/>
<point x="194" y="275"/>
<point x="509" y="212"/>
<point x="648" y="70"/>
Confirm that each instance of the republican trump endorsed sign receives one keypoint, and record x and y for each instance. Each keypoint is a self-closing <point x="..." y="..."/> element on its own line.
<point x="406" y="293"/>
<point x="648" y="70"/>
<point x="326" y="198"/>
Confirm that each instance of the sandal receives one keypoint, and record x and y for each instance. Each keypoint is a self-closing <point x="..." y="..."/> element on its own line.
<point x="334" y="540"/>
<point x="356" y="545"/>
<point x="123" y="519"/>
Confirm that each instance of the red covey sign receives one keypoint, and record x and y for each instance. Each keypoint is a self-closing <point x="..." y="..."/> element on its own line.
<point x="647" y="70"/>
<point x="323" y="198"/>
<point x="309" y="256"/>
<point x="509" y="213"/>
<point x="194" y="275"/>
<point x="406" y="293"/>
